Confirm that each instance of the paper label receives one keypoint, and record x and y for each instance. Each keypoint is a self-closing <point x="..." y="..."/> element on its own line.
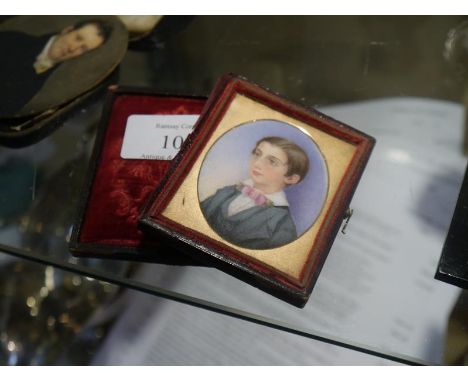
<point x="156" y="137"/>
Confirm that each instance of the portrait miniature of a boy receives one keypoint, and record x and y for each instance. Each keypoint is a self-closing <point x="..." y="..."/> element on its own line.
<point x="255" y="212"/>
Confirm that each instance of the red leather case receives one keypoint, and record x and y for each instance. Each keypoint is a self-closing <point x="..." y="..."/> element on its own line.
<point x="232" y="259"/>
<point x="116" y="188"/>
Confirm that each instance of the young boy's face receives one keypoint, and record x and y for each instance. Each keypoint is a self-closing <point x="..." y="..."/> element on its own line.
<point x="268" y="168"/>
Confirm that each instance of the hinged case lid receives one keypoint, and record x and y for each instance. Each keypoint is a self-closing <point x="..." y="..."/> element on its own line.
<point x="260" y="188"/>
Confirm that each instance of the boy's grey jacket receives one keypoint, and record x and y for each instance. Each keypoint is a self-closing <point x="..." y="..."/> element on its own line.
<point x="259" y="227"/>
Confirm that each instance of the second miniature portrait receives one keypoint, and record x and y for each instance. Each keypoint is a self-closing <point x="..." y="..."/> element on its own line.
<point x="48" y="61"/>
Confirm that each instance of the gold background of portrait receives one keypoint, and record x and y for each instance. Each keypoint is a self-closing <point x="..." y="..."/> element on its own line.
<point x="78" y="75"/>
<point x="290" y="258"/>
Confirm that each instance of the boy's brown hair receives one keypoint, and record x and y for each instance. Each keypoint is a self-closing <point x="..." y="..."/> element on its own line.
<point x="298" y="162"/>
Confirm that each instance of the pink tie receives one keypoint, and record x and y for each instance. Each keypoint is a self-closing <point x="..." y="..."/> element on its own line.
<point x="255" y="195"/>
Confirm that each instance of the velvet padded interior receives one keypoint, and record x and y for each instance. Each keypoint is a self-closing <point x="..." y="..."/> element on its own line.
<point x="121" y="186"/>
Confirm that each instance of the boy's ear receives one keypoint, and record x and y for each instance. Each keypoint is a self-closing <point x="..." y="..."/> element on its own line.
<point x="292" y="179"/>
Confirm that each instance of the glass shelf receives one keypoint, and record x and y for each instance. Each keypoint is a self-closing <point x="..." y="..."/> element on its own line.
<point x="400" y="79"/>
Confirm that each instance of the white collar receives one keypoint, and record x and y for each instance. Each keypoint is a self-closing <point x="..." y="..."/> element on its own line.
<point x="43" y="61"/>
<point x="277" y="198"/>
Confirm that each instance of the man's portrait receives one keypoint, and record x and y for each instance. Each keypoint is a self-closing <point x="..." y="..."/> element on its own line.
<point x="262" y="184"/>
<point x="48" y="61"/>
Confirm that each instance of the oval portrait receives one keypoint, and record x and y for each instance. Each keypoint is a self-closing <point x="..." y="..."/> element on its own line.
<point x="47" y="61"/>
<point x="262" y="184"/>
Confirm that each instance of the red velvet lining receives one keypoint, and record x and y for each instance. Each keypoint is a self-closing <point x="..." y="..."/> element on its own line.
<point x="121" y="186"/>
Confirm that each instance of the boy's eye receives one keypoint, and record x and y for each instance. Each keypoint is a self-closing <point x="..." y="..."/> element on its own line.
<point x="274" y="162"/>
